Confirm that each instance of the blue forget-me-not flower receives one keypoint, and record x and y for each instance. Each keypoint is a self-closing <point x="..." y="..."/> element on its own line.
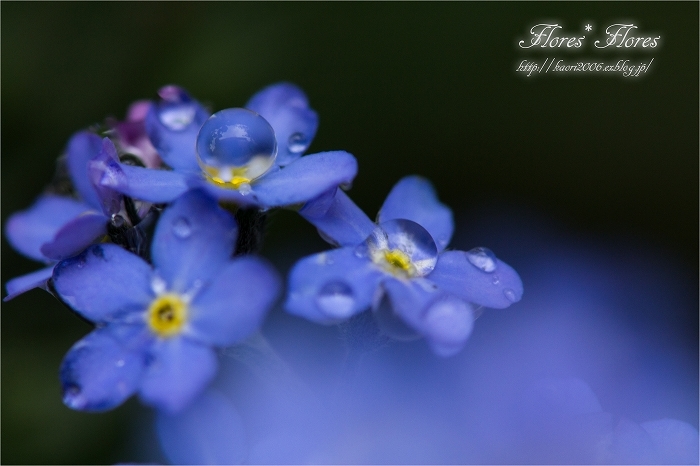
<point x="157" y="327"/>
<point x="57" y="227"/>
<point x="402" y="258"/>
<point x="250" y="156"/>
<point x="165" y="297"/>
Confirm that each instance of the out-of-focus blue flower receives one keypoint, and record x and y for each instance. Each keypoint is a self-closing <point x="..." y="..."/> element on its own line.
<point x="209" y="431"/>
<point x="58" y="227"/>
<point x="563" y="422"/>
<point x="249" y="156"/>
<point x="157" y="327"/>
<point x="402" y="256"/>
<point x="489" y="404"/>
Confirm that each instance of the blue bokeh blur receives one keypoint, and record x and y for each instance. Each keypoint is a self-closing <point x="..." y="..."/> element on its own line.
<point x="593" y="359"/>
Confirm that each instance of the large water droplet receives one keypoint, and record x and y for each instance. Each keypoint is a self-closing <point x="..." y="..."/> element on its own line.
<point x="336" y="299"/>
<point x="407" y="237"/>
<point x="182" y="228"/>
<point x="483" y="259"/>
<point x="236" y="146"/>
<point x="510" y="294"/>
<point x="297" y="143"/>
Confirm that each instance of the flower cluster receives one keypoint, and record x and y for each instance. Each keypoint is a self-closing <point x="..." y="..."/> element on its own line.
<point x="399" y="268"/>
<point x="146" y="232"/>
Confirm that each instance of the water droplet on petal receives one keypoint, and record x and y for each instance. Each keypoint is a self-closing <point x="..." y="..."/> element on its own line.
<point x="236" y="146"/>
<point x="297" y="143"/>
<point x="182" y="228"/>
<point x="336" y="299"/>
<point x="449" y="320"/>
<point x="483" y="259"/>
<point x="120" y="363"/>
<point x="177" y="117"/>
<point x="405" y="247"/>
<point x="73" y="397"/>
<point x="158" y="285"/>
<point x="510" y="294"/>
<point x="496" y="280"/>
<point x="245" y="189"/>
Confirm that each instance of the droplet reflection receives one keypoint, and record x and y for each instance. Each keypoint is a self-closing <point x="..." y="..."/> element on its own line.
<point x="182" y="228"/>
<point x="483" y="259"/>
<point x="297" y="143"/>
<point x="235" y="146"/>
<point x="336" y="299"/>
<point x="402" y="247"/>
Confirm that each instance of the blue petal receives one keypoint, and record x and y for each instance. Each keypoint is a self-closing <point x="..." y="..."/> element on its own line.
<point x="497" y="289"/>
<point x="235" y="304"/>
<point x="305" y="178"/>
<point x="145" y="184"/>
<point x="338" y="219"/>
<point x="104" y="282"/>
<point x="414" y="198"/>
<point x="286" y="108"/>
<point x="332" y="286"/>
<point x="193" y="241"/>
<point x="19" y="285"/>
<point x="82" y="148"/>
<point x="172" y="126"/>
<point x="99" y="373"/>
<point x="75" y="236"/>
<point x="178" y="370"/>
<point x="29" y="229"/>
<point x="110" y="200"/>
<point x="234" y="196"/>
<point x="444" y="320"/>
<point x="209" y="431"/>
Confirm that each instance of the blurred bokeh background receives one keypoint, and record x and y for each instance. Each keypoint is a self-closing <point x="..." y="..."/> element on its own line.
<point x="603" y="167"/>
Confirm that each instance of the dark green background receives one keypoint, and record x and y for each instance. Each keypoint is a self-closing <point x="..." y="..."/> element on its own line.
<point x="406" y="87"/>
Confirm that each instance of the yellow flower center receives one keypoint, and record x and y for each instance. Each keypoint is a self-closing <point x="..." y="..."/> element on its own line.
<point x="230" y="178"/>
<point x="396" y="262"/>
<point x="167" y="315"/>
